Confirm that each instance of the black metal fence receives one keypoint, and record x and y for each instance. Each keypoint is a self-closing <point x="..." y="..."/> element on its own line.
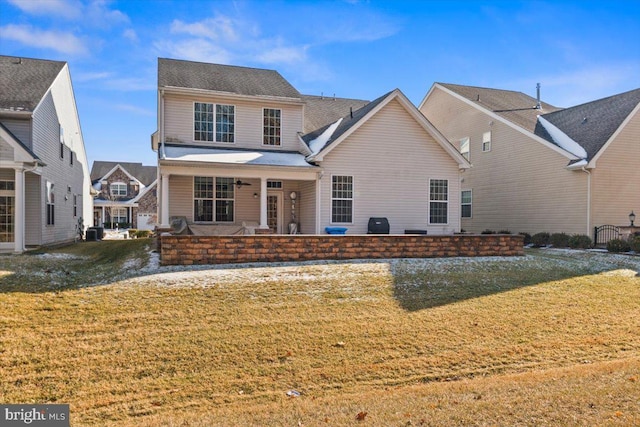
<point x="604" y="233"/>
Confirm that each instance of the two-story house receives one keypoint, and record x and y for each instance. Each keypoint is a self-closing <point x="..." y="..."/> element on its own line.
<point x="241" y="146"/>
<point x="126" y="195"/>
<point x="537" y="167"/>
<point x="44" y="176"/>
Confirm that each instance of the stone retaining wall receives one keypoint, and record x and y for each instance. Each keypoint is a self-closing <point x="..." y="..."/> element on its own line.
<point x="188" y="250"/>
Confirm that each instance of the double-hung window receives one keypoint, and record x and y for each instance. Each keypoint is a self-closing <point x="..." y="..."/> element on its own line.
<point x="464" y="147"/>
<point x="486" y="142"/>
<point x="206" y="197"/>
<point x="466" y="201"/>
<point x="224" y="199"/>
<point x="119" y="215"/>
<point x="438" y="201"/>
<point x="50" y="204"/>
<point x="210" y="127"/>
<point x="271" y="126"/>
<point x="118" y="189"/>
<point x="341" y="199"/>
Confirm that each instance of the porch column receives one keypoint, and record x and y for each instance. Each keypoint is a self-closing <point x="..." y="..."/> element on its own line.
<point x="263" y="204"/>
<point x="164" y="201"/>
<point x="102" y="217"/>
<point x="19" y="213"/>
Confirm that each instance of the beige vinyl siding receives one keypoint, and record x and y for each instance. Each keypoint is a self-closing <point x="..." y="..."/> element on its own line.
<point x="616" y="178"/>
<point x="6" y="150"/>
<point x="181" y="196"/>
<point x="520" y="185"/>
<point x="34" y="210"/>
<point x="20" y="128"/>
<point x="391" y="158"/>
<point x="178" y="118"/>
<point x="306" y="207"/>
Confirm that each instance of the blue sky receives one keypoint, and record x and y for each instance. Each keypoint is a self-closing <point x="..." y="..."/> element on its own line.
<point x="578" y="50"/>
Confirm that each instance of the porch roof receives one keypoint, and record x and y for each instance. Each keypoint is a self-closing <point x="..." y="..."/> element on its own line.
<point x="234" y="156"/>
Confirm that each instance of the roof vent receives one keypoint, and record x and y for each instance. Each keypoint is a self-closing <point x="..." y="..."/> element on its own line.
<point x="478" y="99"/>
<point x="584" y="120"/>
<point x="351" y="112"/>
<point x="538" y="106"/>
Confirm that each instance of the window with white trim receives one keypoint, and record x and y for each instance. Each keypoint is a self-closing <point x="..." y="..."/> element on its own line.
<point x="271" y="126"/>
<point x="203" y="199"/>
<point x="486" y="142"/>
<point x="208" y="127"/>
<point x="211" y="202"/>
<point x="274" y="184"/>
<point x="118" y="215"/>
<point x="225" y="123"/>
<point x="466" y="202"/>
<point x="50" y="204"/>
<point x="7" y="211"/>
<point x="464" y="147"/>
<point x="118" y="189"/>
<point x="224" y="199"/>
<point x="75" y="205"/>
<point x="341" y="199"/>
<point x="438" y="201"/>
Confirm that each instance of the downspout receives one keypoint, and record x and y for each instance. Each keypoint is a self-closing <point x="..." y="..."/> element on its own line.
<point x="588" y="200"/>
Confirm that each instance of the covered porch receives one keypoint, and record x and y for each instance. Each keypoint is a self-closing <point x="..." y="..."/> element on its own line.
<point x="230" y="192"/>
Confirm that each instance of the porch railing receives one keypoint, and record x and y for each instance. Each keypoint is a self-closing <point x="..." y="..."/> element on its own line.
<point x="604" y="233"/>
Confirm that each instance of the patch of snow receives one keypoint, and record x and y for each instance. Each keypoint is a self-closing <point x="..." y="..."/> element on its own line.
<point x="317" y="144"/>
<point x="60" y="256"/>
<point x="562" y="139"/>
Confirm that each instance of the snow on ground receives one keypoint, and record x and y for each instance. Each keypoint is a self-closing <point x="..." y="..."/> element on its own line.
<point x="217" y="275"/>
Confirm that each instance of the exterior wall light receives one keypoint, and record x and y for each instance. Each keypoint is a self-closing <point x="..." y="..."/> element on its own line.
<point x="632" y="217"/>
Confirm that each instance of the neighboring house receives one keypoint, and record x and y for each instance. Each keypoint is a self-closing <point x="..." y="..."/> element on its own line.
<point x="539" y="168"/>
<point x="126" y="195"/>
<point x="241" y="146"/>
<point x="44" y="176"/>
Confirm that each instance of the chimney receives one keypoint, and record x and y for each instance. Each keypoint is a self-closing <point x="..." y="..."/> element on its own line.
<point x="538" y="106"/>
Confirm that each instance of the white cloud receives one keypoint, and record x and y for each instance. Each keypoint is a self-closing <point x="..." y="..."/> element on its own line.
<point x="69" y="9"/>
<point x="576" y="87"/>
<point x="195" y="50"/>
<point x="99" y="14"/>
<point x="135" y="110"/>
<point x="283" y="54"/>
<point x="87" y="77"/>
<point x="56" y="40"/>
<point x="130" y="34"/>
<point x="219" y="28"/>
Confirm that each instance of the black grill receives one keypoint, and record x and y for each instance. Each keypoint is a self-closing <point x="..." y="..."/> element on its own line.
<point x="378" y="226"/>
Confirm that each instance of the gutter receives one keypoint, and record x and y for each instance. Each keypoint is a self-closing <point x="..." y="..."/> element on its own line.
<point x="583" y="169"/>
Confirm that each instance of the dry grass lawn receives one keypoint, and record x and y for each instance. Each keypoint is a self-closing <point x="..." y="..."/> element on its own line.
<point x="546" y="339"/>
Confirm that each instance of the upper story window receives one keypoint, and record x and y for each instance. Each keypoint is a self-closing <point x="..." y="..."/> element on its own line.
<point x="118" y="189"/>
<point x="61" y="141"/>
<point x="341" y="199"/>
<point x="464" y="147"/>
<point x="271" y="126"/>
<point x="204" y="122"/>
<point x="486" y="142"/>
<point x="438" y="201"/>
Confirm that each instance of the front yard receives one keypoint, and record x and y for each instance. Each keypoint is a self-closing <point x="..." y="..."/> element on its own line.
<point x="550" y="338"/>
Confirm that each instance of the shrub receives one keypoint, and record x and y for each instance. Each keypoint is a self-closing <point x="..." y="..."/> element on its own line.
<point x="540" y="239"/>
<point x="580" y="241"/>
<point x="504" y="232"/>
<point x="634" y="242"/>
<point x="488" y="232"/>
<point x="527" y="238"/>
<point x="618" y="245"/>
<point x="142" y="234"/>
<point x="559" y="240"/>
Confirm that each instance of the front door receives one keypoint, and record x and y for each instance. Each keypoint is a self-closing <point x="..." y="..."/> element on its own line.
<point x="274" y="211"/>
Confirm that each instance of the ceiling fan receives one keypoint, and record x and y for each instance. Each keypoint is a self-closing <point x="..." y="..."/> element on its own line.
<point x="239" y="183"/>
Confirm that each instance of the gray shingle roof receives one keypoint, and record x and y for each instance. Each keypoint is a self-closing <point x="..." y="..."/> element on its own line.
<point x="516" y="107"/>
<point x="320" y="111"/>
<point x="223" y="78"/>
<point x="592" y="124"/>
<point x="348" y="121"/>
<point x="145" y="174"/>
<point x="24" y="81"/>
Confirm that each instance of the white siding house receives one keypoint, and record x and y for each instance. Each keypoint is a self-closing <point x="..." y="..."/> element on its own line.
<point x="246" y="152"/>
<point x="44" y="176"/>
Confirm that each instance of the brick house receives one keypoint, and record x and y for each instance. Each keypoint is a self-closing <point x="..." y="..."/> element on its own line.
<point x="126" y="195"/>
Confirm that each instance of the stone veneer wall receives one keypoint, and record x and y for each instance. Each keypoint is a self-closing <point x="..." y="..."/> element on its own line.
<point x="188" y="250"/>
